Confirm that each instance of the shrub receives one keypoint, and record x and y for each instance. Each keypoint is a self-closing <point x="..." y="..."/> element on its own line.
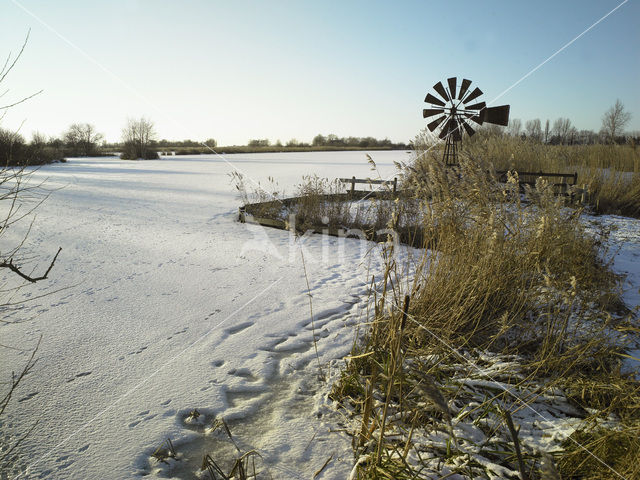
<point x="133" y="151"/>
<point x="15" y="151"/>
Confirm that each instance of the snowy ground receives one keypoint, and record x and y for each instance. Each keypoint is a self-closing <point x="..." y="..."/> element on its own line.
<point x="624" y="248"/>
<point x="168" y="304"/>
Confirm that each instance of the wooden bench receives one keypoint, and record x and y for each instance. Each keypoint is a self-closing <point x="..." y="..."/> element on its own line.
<point x="353" y="181"/>
<point x="560" y="182"/>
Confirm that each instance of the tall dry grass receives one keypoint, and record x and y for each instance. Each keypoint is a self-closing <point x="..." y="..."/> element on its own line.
<point x="506" y="151"/>
<point x="523" y="280"/>
<point x="610" y="173"/>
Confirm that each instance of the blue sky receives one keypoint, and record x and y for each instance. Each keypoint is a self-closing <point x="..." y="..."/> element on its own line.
<point x="238" y="70"/>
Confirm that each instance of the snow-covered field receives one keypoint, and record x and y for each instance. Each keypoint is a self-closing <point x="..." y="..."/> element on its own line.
<point x="161" y="302"/>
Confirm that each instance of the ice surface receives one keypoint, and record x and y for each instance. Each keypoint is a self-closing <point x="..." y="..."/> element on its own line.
<point x="162" y="302"/>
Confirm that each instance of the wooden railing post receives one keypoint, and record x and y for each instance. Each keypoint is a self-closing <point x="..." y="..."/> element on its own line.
<point x="395" y="184"/>
<point x="353" y="185"/>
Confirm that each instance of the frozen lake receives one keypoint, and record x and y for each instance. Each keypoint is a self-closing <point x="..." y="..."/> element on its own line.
<point x="160" y="302"/>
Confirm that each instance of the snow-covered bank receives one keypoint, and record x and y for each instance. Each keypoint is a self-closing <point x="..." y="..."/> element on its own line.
<point x="168" y="305"/>
<point x="171" y="305"/>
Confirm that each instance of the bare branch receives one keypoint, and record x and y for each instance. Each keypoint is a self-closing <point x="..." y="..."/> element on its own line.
<point x="4" y="107"/>
<point x="5" y="458"/>
<point x="5" y="71"/>
<point x="11" y="266"/>
<point x="15" y="380"/>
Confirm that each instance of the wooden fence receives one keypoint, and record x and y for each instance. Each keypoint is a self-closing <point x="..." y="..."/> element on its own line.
<point x="559" y="182"/>
<point x="353" y="181"/>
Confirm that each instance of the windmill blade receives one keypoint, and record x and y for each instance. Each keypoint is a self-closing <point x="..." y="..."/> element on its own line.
<point x="463" y="88"/>
<point x="470" y="131"/>
<point x="433" y="125"/>
<point x="475" y="94"/>
<point x="429" y="112"/>
<point x="476" y="118"/>
<point x="446" y="129"/>
<point x="496" y="115"/>
<point x="438" y="87"/>
<point x="452" y="86"/>
<point x="433" y="100"/>
<point x="476" y="106"/>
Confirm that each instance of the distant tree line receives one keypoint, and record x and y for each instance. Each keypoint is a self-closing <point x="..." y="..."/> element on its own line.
<point x="164" y="143"/>
<point x="332" y="140"/>
<point x="562" y="132"/>
<point x="14" y="150"/>
<point x="259" y="143"/>
<point x="139" y="139"/>
<point x="79" y="140"/>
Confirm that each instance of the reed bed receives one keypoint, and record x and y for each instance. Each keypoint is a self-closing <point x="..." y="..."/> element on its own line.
<point x="512" y="308"/>
<point x="610" y="173"/>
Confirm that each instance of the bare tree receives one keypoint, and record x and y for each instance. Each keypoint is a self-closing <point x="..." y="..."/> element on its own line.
<point x="547" y="131"/>
<point x="82" y="139"/>
<point x="533" y="129"/>
<point x="38" y="139"/>
<point x="137" y="136"/>
<point x="11" y="147"/>
<point x="562" y="129"/>
<point x="17" y="200"/>
<point x="586" y="137"/>
<point x="515" y="126"/>
<point x="614" y="120"/>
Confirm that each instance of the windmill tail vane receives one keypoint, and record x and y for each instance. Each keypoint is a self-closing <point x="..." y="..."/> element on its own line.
<point x="455" y="111"/>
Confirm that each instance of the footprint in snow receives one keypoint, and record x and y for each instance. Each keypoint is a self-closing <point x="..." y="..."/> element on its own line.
<point x="140" y="350"/>
<point x="239" y="328"/>
<point x="243" y="373"/>
<point x="79" y="375"/>
<point x="28" y="397"/>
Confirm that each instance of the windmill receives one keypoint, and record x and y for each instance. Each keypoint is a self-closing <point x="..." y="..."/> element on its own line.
<point x="455" y="112"/>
